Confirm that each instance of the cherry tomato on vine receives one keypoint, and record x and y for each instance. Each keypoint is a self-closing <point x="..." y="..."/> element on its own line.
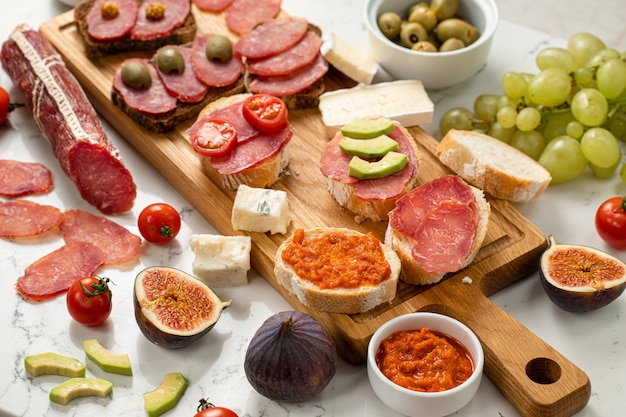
<point x="89" y="300"/>
<point x="214" y="137"/>
<point x="206" y="409"/>
<point x="159" y="223"/>
<point x="6" y="106"/>
<point x="611" y="222"/>
<point x="265" y="112"/>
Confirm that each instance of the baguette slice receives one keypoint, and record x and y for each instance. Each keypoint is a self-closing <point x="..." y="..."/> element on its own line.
<point x="337" y="300"/>
<point x="492" y="165"/>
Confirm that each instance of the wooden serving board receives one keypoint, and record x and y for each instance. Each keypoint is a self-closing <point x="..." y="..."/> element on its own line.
<point x="537" y="379"/>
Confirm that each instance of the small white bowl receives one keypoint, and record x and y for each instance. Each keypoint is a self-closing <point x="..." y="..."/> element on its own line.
<point x="436" y="70"/>
<point x="425" y="404"/>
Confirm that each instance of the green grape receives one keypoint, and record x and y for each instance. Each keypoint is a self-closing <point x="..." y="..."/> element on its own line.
<point x="602" y="173"/>
<point x="528" y="119"/>
<point x="556" y="125"/>
<point x="456" y="118"/>
<point x="504" y="134"/>
<point x="531" y="142"/>
<point x="553" y="57"/>
<point x="514" y="85"/>
<point x="507" y="116"/>
<point x="551" y="87"/>
<point x="583" y="76"/>
<point x="583" y="46"/>
<point x="622" y="174"/>
<point x="611" y="78"/>
<point x="617" y="125"/>
<point x="564" y="159"/>
<point x="589" y="107"/>
<point x="574" y="129"/>
<point x="504" y="101"/>
<point x="486" y="106"/>
<point x="600" y="147"/>
<point x="602" y="56"/>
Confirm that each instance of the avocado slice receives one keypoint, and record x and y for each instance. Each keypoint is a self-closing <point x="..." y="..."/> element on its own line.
<point x="80" y="387"/>
<point x="166" y="395"/>
<point x="117" y="363"/>
<point x="370" y="148"/>
<point x="359" y="128"/>
<point x="391" y="163"/>
<point x="50" y="363"/>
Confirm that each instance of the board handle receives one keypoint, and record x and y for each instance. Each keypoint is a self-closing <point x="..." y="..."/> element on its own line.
<point x="532" y="375"/>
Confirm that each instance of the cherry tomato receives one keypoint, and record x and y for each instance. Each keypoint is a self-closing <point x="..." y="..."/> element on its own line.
<point x="265" y="112"/>
<point x="214" y="137"/>
<point x="6" y="106"/>
<point x="89" y="300"/>
<point x="611" y="222"/>
<point x="159" y="223"/>
<point x="206" y="409"/>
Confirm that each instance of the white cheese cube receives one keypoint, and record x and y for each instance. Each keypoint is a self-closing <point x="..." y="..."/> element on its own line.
<point x="221" y="261"/>
<point x="260" y="210"/>
<point x="351" y="60"/>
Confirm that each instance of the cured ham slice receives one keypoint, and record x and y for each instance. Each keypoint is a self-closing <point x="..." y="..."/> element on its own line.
<point x="185" y="86"/>
<point x="54" y="273"/>
<point x="146" y="28"/>
<point x="112" y="28"/>
<point x="68" y="121"/>
<point x="23" y="218"/>
<point x="117" y="244"/>
<point x="212" y="5"/>
<point x="212" y="72"/>
<point x="300" y="55"/>
<point x="243" y="15"/>
<point x="296" y="82"/>
<point x="271" y="37"/>
<point x="19" y="179"/>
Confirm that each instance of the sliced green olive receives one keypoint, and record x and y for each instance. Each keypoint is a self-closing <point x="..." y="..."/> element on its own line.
<point x="171" y="60"/>
<point x="389" y="24"/>
<point x="451" y="44"/>
<point x="218" y="47"/>
<point x="136" y="75"/>
<point x="412" y="33"/>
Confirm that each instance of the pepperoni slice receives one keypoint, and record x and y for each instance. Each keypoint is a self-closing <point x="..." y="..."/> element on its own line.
<point x="271" y="37"/>
<point x="176" y="12"/>
<point x="212" y="5"/>
<point x="302" y="54"/>
<point x="296" y="82"/>
<point x="212" y="72"/>
<point x="243" y="15"/>
<point x="55" y="272"/>
<point x="23" y="218"/>
<point x="153" y="100"/>
<point x="109" y="29"/>
<point x="118" y="244"/>
<point x="185" y="86"/>
<point x="19" y="179"/>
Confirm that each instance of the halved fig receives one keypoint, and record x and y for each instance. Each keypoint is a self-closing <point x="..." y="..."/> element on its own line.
<point x="174" y="308"/>
<point x="579" y="278"/>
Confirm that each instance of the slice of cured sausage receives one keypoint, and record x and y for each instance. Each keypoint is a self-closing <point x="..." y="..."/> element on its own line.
<point x="185" y="86"/>
<point x="148" y="27"/>
<point x="19" y="179"/>
<point x="213" y="72"/>
<point x="294" y="58"/>
<point x="271" y="37"/>
<point x="23" y="218"/>
<point x="212" y="5"/>
<point x="288" y="84"/>
<point x="109" y="27"/>
<point x="68" y="121"/>
<point x="118" y="244"/>
<point x="243" y="15"/>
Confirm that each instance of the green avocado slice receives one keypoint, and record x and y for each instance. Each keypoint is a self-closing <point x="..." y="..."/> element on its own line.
<point x="391" y="163"/>
<point x="50" y="363"/>
<point x="80" y="387"/>
<point x="367" y="128"/>
<point x="370" y="148"/>
<point x="166" y="395"/>
<point x="117" y="363"/>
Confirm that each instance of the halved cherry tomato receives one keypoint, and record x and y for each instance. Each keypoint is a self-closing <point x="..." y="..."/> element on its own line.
<point x="206" y="409"/>
<point x="611" y="222"/>
<point x="159" y="223"/>
<point x="265" y="112"/>
<point x="214" y="137"/>
<point x="89" y="300"/>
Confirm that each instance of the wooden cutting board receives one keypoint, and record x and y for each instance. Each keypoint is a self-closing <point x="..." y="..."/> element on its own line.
<point x="536" y="379"/>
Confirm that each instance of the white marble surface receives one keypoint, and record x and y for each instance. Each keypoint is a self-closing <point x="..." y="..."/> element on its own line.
<point x="595" y="341"/>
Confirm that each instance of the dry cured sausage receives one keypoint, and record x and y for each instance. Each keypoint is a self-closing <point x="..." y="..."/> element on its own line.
<point x="288" y="84"/>
<point x="185" y="86"/>
<point x="111" y="28"/>
<point x="146" y="27"/>
<point x="294" y="58"/>
<point x="271" y="37"/>
<point x="213" y="72"/>
<point x="212" y="5"/>
<point x="68" y="121"/>
<point x="24" y="218"/>
<point x="243" y="15"/>
<point x="20" y="179"/>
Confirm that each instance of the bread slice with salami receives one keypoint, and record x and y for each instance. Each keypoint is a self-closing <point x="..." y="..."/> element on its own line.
<point x="438" y="228"/>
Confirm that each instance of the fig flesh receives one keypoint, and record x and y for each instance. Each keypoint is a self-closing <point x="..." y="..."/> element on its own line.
<point x="174" y="308"/>
<point x="579" y="278"/>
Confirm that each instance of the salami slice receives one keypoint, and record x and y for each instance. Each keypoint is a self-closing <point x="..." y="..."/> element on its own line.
<point x="296" y="82"/>
<point x="234" y="114"/>
<point x="23" y="218"/>
<point x="146" y="28"/>
<point x="68" y="121"/>
<point x="294" y="58"/>
<point x="110" y="28"/>
<point x="19" y="179"/>
<point x="212" y="72"/>
<point x="153" y="100"/>
<point x="54" y="273"/>
<point x="271" y="37"/>
<point x="185" y="86"/>
<point x="118" y="244"/>
<point x="212" y="5"/>
<point x="243" y="15"/>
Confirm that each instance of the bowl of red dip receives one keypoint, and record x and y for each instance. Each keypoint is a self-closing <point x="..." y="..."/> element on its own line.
<point x="425" y="364"/>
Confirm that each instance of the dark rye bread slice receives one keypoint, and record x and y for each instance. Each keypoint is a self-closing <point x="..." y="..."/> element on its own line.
<point x="94" y="48"/>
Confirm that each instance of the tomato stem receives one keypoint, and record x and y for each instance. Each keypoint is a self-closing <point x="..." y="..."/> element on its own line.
<point x="102" y="287"/>
<point x="623" y="204"/>
<point x="204" y="404"/>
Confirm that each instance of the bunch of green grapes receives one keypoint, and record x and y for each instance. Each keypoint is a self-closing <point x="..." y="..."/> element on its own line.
<point x="568" y="115"/>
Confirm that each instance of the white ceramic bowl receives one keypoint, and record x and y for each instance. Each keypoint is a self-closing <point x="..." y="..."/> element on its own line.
<point x="436" y="70"/>
<point x="425" y="404"/>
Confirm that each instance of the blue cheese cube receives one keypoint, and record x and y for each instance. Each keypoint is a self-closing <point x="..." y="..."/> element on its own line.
<point x="221" y="261"/>
<point x="260" y="210"/>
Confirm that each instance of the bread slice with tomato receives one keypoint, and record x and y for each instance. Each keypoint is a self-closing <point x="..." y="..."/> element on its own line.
<point x="243" y="139"/>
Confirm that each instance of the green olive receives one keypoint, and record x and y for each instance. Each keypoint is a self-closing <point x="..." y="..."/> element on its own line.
<point x="171" y="60"/>
<point x="389" y="24"/>
<point x="218" y="47"/>
<point x="451" y="44"/>
<point x="424" y="46"/>
<point x="412" y="33"/>
<point x="444" y="9"/>
<point x="425" y="17"/>
<point x="457" y="28"/>
<point x="136" y="75"/>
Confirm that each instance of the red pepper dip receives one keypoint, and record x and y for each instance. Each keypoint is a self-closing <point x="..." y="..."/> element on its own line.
<point x="424" y="360"/>
<point x="337" y="259"/>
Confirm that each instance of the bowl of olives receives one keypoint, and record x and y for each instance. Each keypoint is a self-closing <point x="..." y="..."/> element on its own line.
<point x="439" y="42"/>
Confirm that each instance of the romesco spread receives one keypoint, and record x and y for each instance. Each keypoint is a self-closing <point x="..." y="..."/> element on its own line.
<point x="337" y="260"/>
<point x="424" y="360"/>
